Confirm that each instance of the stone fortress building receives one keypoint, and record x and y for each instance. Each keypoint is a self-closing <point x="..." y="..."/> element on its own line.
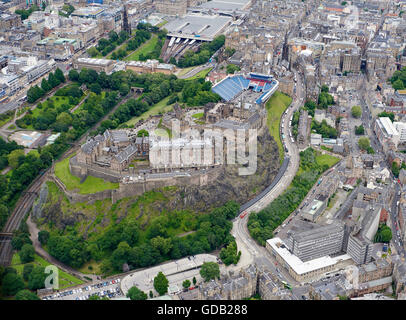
<point x="193" y="151"/>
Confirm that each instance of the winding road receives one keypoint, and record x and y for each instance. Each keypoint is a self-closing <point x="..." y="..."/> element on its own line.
<point x="251" y="252"/>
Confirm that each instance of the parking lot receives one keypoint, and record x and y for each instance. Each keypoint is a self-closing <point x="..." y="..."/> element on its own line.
<point x="108" y="288"/>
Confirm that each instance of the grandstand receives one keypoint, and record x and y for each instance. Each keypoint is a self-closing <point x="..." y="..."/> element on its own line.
<point x="232" y="86"/>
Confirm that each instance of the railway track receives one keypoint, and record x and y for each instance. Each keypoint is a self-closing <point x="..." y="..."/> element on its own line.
<point x="22" y="207"/>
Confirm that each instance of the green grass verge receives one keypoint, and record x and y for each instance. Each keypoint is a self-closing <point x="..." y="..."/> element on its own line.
<point x="198" y="115"/>
<point x="66" y="280"/>
<point x="71" y="182"/>
<point x="182" y="72"/>
<point x="200" y="74"/>
<point x="146" y="48"/>
<point x="276" y="106"/>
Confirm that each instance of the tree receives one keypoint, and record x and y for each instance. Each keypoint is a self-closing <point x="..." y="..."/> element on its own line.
<point x="95" y="87"/>
<point x="53" y="81"/>
<point x="230" y="255"/>
<point x="26" y="295"/>
<point x="45" y="85"/>
<point x="359" y="130"/>
<point x="11" y="284"/>
<point x="356" y="111"/>
<point x="194" y="281"/>
<point x="186" y="284"/>
<point x="391" y="115"/>
<point x="398" y="85"/>
<point x="363" y="143"/>
<point x="27" y="271"/>
<point x="161" y="284"/>
<point x="15" y="157"/>
<point x="151" y="294"/>
<point x="232" y="68"/>
<point x="395" y="169"/>
<point x="27" y="253"/>
<point x="43" y="237"/>
<point x="59" y="75"/>
<point x="210" y="270"/>
<point x="73" y="75"/>
<point x="37" y="278"/>
<point x="384" y="234"/>
<point x="136" y="294"/>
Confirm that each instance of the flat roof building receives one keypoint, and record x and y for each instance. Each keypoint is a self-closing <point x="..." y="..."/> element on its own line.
<point x="197" y="26"/>
<point x="99" y="65"/>
<point x="304" y="271"/>
<point x="318" y="242"/>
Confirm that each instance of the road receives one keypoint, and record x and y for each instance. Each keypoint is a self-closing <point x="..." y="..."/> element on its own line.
<point x="250" y="250"/>
<point x="397" y="241"/>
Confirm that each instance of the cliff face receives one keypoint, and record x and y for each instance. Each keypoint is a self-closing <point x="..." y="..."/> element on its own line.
<point x="229" y="186"/>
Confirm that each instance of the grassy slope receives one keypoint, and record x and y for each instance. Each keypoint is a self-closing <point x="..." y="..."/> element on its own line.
<point x="144" y="49"/>
<point x="161" y="106"/>
<point x="275" y="106"/>
<point x="90" y="185"/>
<point x="200" y="74"/>
<point x="65" y="279"/>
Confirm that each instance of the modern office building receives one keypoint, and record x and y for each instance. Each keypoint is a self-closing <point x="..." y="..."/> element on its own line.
<point x="317" y="242"/>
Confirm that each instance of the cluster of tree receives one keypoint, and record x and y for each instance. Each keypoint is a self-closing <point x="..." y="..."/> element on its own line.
<point x="26" y="13"/>
<point x="54" y="80"/>
<point x="136" y="294"/>
<point x="27" y="168"/>
<point x="203" y="54"/>
<point x="198" y="93"/>
<point x="359" y="130"/>
<point x="398" y="79"/>
<point x="396" y="168"/>
<point x="156" y="51"/>
<point x="261" y="224"/>
<point x="356" y="111"/>
<point x="122" y="245"/>
<point x="364" y="144"/>
<point x="391" y="115"/>
<point x="6" y="148"/>
<point x="107" y="45"/>
<point x="161" y="284"/>
<point x="13" y="284"/>
<point x="51" y="117"/>
<point x="67" y="10"/>
<point x="156" y="87"/>
<point x="384" y="234"/>
<point x="324" y="129"/>
<point x="325" y="99"/>
<point x="295" y="123"/>
<point x="232" y="68"/>
<point x="210" y="271"/>
<point x="229" y="254"/>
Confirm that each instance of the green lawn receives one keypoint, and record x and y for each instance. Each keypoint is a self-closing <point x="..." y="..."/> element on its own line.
<point x="323" y="159"/>
<point x="198" y="115"/>
<point x="160" y="106"/>
<point x="65" y="279"/>
<point x="145" y="48"/>
<point x="275" y="106"/>
<point x="200" y="74"/>
<point x="71" y="182"/>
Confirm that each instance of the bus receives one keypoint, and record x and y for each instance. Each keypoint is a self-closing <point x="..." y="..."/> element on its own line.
<point x="242" y="215"/>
